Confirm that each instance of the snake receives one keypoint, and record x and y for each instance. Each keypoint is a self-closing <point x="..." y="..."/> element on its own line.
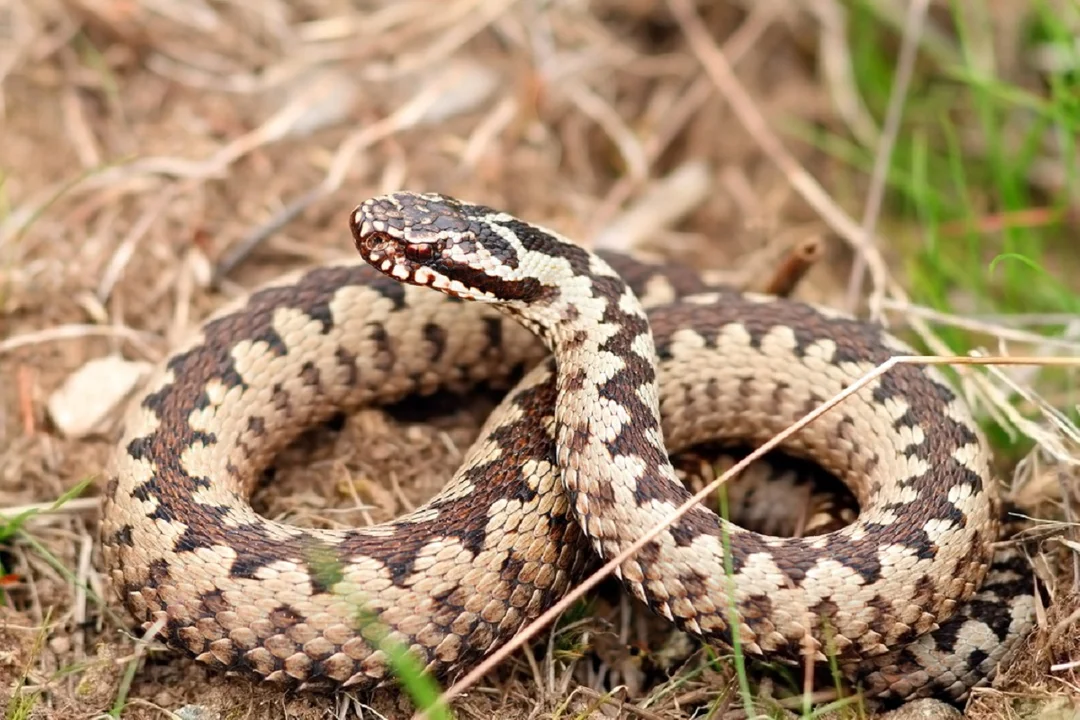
<point x="611" y="364"/>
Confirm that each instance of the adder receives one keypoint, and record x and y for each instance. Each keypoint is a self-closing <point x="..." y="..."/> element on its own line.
<point x="622" y="362"/>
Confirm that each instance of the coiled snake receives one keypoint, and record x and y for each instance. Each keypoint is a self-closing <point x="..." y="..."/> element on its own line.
<point x="572" y="465"/>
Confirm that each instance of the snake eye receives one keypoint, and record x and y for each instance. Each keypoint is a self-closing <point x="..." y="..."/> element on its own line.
<point x="419" y="253"/>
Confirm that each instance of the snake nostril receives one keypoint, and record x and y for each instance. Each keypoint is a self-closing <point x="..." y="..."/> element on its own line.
<point x="375" y="244"/>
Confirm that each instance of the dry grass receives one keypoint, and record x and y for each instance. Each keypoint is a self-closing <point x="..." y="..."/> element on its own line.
<point x="159" y="158"/>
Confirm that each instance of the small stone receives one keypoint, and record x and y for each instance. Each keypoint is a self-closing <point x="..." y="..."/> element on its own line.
<point x="60" y="645"/>
<point x="197" y="712"/>
<point x="922" y="709"/>
<point x="925" y="709"/>
<point x="84" y="402"/>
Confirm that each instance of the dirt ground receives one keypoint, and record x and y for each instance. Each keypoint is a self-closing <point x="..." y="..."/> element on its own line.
<point x="159" y="159"/>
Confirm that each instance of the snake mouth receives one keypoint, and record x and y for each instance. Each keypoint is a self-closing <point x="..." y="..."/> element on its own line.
<point x="386" y="252"/>
<point x="428" y="241"/>
<point x="404" y="260"/>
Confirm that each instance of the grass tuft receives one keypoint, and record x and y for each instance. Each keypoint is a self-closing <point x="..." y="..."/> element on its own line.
<point x="422" y="688"/>
<point x="976" y="224"/>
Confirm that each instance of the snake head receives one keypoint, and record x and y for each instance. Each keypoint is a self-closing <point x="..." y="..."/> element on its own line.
<point x="456" y="247"/>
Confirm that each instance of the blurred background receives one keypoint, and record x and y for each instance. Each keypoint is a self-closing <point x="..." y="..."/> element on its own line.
<point x="915" y="162"/>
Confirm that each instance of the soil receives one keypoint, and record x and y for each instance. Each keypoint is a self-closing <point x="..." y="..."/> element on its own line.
<point x="144" y="144"/>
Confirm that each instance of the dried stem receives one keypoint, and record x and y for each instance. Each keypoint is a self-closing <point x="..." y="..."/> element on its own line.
<point x="794" y="266"/>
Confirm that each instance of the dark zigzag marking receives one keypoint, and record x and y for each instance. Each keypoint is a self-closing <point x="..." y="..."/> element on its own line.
<point x="466" y="521"/>
<point x="535" y="241"/>
<point x="853" y="342"/>
<point x="170" y="485"/>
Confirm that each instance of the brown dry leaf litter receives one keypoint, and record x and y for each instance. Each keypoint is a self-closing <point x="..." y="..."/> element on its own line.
<point x="161" y="158"/>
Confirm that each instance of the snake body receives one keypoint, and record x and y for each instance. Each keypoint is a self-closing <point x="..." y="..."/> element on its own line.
<point x="624" y="362"/>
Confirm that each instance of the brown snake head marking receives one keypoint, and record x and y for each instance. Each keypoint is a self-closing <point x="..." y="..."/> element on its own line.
<point x="443" y="243"/>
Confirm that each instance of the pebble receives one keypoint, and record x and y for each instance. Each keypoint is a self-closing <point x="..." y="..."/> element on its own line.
<point x="85" y="401"/>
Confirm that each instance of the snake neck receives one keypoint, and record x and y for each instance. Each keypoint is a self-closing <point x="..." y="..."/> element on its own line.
<point x="607" y="412"/>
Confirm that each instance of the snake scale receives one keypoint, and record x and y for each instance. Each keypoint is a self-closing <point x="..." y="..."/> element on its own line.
<point x="621" y="362"/>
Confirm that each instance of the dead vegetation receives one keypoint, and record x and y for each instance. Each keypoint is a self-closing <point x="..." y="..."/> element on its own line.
<point x="160" y="158"/>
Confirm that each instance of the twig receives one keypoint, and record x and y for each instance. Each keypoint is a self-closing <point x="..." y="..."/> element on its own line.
<point x="78" y="130"/>
<point x="716" y="65"/>
<point x="26" y="399"/>
<point x="404" y="117"/>
<point x="486" y="133"/>
<point x="1066" y="480"/>
<point x="794" y="266"/>
<point x="527" y="633"/>
<point x="665" y="202"/>
<point x="876" y="192"/>
<point x="988" y="326"/>
<point x="608" y="119"/>
<point x="43" y="510"/>
<point x="126" y="250"/>
<point x="157" y="708"/>
<point x="736" y="47"/>
<point x="75" y="332"/>
<point x="475" y="16"/>
<point x="837" y="70"/>
<point x="718" y="68"/>
<point x="625" y="708"/>
<point x="129" y="672"/>
<point x="1054" y="446"/>
<point x="1065" y="666"/>
<point x="236" y="254"/>
<point x="82" y="575"/>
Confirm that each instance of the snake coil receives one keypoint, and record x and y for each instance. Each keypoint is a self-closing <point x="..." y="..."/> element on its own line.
<point x="624" y="362"/>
